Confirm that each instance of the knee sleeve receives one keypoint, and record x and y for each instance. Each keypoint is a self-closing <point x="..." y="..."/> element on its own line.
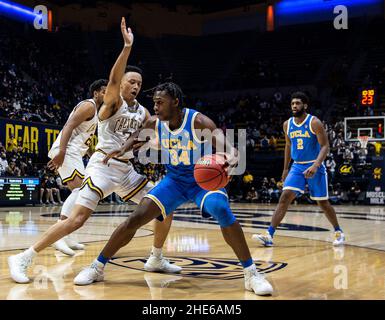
<point x="216" y="205"/>
<point x="88" y="198"/>
<point x="69" y="203"/>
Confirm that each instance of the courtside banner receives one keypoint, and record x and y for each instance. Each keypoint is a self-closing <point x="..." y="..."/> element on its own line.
<point x="34" y="137"/>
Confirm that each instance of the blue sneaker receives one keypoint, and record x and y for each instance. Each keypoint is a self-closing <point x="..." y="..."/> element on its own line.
<point x="265" y="239"/>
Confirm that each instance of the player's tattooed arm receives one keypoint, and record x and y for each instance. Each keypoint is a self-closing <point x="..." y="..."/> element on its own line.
<point x="112" y="100"/>
<point x="287" y="153"/>
<point x="222" y="146"/>
<point x="323" y="140"/>
<point x="132" y="140"/>
<point x="84" y="112"/>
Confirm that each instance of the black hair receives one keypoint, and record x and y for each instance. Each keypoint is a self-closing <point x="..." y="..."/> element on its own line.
<point x="172" y="89"/>
<point x="300" y="95"/>
<point x="130" y="68"/>
<point x="96" y="86"/>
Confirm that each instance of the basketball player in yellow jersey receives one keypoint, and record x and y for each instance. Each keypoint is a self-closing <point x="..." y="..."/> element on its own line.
<point x="119" y="117"/>
<point x="68" y="150"/>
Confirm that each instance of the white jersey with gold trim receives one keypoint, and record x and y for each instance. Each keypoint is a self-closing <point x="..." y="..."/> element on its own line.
<point x="81" y="136"/>
<point x="114" y="131"/>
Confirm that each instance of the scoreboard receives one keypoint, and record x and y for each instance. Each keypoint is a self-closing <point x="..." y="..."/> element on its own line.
<point x="19" y="191"/>
<point x="368" y="97"/>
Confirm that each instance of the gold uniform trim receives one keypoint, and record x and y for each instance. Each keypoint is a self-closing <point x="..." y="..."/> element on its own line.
<point x="92" y="186"/>
<point x="158" y="203"/>
<point x="136" y="190"/>
<point x="105" y="153"/>
<point x="74" y="174"/>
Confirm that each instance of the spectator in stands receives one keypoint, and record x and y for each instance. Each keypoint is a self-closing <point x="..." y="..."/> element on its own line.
<point x="377" y="148"/>
<point x="3" y="164"/>
<point x="11" y="143"/>
<point x="248" y="180"/>
<point x="12" y="170"/>
<point x="265" y="144"/>
<point x="331" y="166"/>
<point x="64" y="192"/>
<point x="273" y="143"/>
<point x="348" y="156"/>
<point x="361" y="154"/>
<point x="264" y="191"/>
<point x="354" y="193"/>
<point x="252" y="195"/>
<point x="273" y="190"/>
<point x="53" y="190"/>
<point x="335" y="194"/>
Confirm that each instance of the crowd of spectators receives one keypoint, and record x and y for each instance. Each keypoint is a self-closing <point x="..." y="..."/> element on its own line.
<point x="38" y="86"/>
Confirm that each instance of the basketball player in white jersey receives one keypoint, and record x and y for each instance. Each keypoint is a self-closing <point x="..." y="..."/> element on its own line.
<point x="119" y="117"/>
<point x="68" y="150"/>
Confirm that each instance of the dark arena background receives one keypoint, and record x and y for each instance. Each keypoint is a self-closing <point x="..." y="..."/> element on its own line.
<point x="238" y="62"/>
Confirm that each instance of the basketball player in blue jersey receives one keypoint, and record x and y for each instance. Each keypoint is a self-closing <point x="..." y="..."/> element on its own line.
<point x="180" y="146"/>
<point x="308" y="145"/>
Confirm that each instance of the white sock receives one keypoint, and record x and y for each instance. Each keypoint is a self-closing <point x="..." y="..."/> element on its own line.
<point x="157" y="252"/>
<point x="68" y="205"/>
<point x="30" y="253"/>
<point x="99" y="265"/>
<point x="250" y="269"/>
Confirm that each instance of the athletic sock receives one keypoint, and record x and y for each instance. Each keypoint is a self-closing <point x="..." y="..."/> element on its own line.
<point x="102" y="259"/>
<point x="157" y="252"/>
<point x="247" y="263"/>
<point x="30" y="253"/>
<point x="337" y="229"/>
<point x="271" y="231"/>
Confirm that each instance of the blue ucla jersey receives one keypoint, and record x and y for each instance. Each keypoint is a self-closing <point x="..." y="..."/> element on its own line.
<point x="304" y="143"/>
<point x="180" y="148"/>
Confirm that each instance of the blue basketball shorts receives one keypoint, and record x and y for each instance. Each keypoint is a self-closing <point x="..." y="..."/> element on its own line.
<point x="318" y="184"/>
<point x="169" y="194"/>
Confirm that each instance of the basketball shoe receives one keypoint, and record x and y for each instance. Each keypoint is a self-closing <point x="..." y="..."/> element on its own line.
<point x="67" y="246"/>
<point x="339" y="238"/>
<point x="254" y="281"/>
<point x="160" y="264"/>
<point x="93" y="273"/>
<point x="266" y="239"/>
<point x="18" y="265"/>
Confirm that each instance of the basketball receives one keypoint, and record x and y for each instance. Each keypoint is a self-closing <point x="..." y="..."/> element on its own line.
<point x="210" y="173"/>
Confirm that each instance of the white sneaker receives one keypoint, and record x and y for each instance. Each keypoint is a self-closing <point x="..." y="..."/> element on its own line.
<point x="93" y="273"/>
<point x="339" y="238"/>
<point x="18" y="265"/>
<point x="155" y="264"/>
<point x="73" y="244"/>
<point x="62" y="246"/>
<point x="265" y="239"/>
<point x="254" y="281"/>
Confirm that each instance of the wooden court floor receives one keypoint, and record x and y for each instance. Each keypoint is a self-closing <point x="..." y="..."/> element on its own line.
<point x="302" y="265"/>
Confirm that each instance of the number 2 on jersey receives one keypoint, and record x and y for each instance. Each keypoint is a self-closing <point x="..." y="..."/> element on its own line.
<point x="299" y="144"/>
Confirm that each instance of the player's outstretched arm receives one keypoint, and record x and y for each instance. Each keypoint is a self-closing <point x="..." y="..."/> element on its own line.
<point x="323" y="140"/>
<point x="112" y="99"/>
<point x="287" y="153"/>
<point x="131" y="141"/>
<point x="219" y="141"/>
<point x="84" y="112"/>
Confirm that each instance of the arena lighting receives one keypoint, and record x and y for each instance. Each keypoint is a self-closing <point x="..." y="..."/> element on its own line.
<point x="19" y="12"/>
<point x="16" y="9"/>
<point x="22" y="13"/>
<point x="301" y="6"/>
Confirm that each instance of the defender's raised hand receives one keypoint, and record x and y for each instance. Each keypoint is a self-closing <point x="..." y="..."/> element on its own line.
<point x="127" y="34"/>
